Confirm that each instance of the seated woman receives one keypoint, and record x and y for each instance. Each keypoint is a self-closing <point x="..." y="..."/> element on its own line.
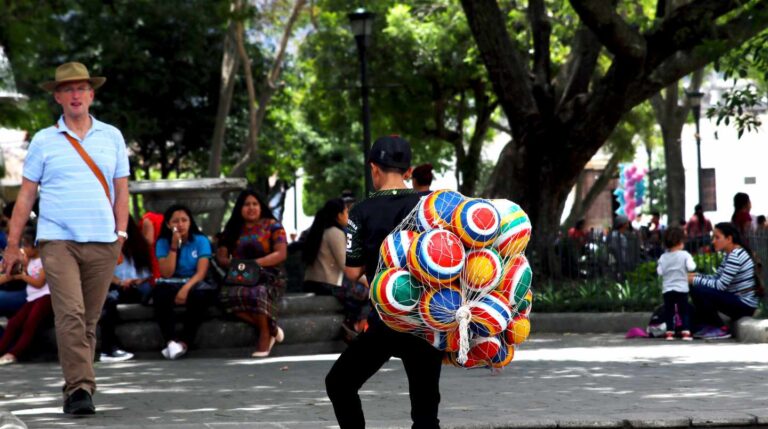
<point x="35" y="313"/>
<point x="325" y="249"/>
<point x="183" y="255"/>
<point x="324" y="255"/>
<point x="130" y="284"/>
<point x="252" y="232"/>
<point x="732" y="290"/>
<point x="13" y="295"/>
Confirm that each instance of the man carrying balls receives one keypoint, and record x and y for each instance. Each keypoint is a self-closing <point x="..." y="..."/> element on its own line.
<point x="370" y="221"/>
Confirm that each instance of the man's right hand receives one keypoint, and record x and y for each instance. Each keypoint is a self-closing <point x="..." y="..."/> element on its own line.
<point x="11" y="257"/>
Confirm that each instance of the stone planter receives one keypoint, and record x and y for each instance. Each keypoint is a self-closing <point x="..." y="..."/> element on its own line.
<point x="200" y="195"/>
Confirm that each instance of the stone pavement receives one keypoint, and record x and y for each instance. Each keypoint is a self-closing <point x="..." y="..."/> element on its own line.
<point x="568" y="381"/>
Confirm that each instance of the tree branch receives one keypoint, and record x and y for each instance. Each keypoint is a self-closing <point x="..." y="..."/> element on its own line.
<point x="687" y="25"/>
<point x="581" y="65"/>
<point x="617" y="35"/>
<point x="229" y="64"/>
<point x="507" y="71"/>
<point x="499" y="127"/>
<point x="257" y="110"/>
<point x="726" y="37"/>
<point x="542" y="31"/>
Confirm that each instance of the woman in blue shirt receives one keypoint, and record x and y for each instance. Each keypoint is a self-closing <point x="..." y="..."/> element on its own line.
<point x="183" y="254"/>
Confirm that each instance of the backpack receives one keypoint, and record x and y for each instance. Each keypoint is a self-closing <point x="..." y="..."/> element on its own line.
<point x="656" y="326"/>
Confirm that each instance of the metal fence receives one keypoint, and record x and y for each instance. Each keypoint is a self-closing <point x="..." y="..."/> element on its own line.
<point x="624" y="257"/>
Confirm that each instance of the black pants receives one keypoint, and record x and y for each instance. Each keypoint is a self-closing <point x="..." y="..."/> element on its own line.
<point x="198" y="299"/>
<point x="676" y="302"/>
<point x="363" y="358"/>
<point x="708" y="302"/>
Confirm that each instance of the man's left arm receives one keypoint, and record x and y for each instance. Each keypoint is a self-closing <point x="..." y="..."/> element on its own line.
<point x="121" y="205"/>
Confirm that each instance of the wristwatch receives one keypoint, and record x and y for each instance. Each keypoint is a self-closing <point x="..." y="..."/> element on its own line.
<point x="122" y="234"/>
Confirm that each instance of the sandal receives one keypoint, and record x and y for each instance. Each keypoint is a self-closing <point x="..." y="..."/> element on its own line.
<point x="272" y="341"/>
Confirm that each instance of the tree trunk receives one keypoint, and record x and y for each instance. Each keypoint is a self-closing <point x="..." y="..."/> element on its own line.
<point x="229" y="63"/>
<point x="470" y="162"/>
<point x="258" y="108"/>
<point x="671" y="116"/>
<point x="552" y="142"/>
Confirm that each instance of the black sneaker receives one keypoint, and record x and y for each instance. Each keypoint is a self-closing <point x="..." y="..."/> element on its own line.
<point x="79" y="403"/>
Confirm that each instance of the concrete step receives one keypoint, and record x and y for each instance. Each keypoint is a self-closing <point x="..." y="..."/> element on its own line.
<point x="311" y="324"/>
<point x="291" y="304"/>
<point x="229" y="333"/>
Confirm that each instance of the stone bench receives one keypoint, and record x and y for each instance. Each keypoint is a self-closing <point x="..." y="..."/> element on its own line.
<point x="311" y="324"/>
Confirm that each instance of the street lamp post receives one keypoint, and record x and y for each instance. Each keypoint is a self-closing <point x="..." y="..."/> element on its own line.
<point x="361" y="22"/>
<point x="694" y="99"/>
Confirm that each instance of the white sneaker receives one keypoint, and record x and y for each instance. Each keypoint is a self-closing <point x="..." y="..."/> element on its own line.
<point x="165" y="352"/>
<point x="116" y="356"/>
<point x="7" y="359"/>
<point x="176" y="350"/>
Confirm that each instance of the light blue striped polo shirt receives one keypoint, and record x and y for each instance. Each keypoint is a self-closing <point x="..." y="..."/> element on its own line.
<point x="73" y="205"/>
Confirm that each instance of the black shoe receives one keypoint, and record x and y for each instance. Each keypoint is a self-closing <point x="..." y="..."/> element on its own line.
<point x="79" y="403"/>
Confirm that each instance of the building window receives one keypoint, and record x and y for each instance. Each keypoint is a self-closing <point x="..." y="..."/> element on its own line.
<point x="708" y="189"/>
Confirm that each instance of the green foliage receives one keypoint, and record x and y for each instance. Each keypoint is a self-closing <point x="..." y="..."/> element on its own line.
<point x="738" y="105"/>
<point x="638" y="127"/>
<point x="707" y="263"/>
<point x="597" y="296"/>
<point x="741" y="104"/>
<point x="421" y="60"/>
<point x="162" y="80"/>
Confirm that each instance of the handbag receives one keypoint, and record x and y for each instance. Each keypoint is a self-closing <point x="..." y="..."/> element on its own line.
<point x="243" y="272"/>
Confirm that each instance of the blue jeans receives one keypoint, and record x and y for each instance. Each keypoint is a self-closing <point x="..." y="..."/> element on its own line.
<point x="110" y="317"/>
<point x="11" y="302"/>
<point x="709" y="301"/>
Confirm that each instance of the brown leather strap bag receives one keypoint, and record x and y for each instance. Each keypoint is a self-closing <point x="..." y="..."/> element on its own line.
<point x="88" y="160"/>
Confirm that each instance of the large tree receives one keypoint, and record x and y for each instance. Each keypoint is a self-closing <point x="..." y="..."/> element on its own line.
<point x="427" y="85"/>
<point x="561" y="114"/>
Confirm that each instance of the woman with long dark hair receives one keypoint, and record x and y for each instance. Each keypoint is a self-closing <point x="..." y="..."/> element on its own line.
<point x="741" y="218"/>
<point x="130" y="283"/>
<point x="183" y="255"/>
<point x="422" y="177"/>
<point x="325" y="249"/>
<point x="698" y="229"/>
<point x="253" y="233"/>
<point x="732" y="290"/>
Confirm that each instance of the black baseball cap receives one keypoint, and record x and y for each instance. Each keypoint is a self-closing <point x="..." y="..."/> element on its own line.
<point x="391" y="151"/>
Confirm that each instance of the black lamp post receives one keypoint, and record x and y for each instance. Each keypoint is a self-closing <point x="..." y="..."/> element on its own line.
<point x="694" y="99"/>
<point x="361" y="22"/>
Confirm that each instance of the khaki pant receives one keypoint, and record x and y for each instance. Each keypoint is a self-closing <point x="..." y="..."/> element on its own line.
<point x="78" y="275"/>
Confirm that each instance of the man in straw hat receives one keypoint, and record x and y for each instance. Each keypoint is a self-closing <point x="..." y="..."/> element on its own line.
<point x="81" y="167"/>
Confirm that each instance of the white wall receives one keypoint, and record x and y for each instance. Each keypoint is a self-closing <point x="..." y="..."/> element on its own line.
<point x="733" y="159"/>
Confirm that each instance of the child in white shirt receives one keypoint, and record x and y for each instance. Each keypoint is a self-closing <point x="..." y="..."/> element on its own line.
<point x="673" y="267"/>
<point x="33" y="315"/>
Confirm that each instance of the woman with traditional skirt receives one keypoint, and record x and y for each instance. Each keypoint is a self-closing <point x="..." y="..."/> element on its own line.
<point x="253" y="233"/>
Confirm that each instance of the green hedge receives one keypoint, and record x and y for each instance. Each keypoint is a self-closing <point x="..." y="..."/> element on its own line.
<point x="641" y="291"/>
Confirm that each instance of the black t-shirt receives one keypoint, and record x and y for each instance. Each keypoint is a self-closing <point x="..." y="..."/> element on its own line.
<point x="371" y="220"/>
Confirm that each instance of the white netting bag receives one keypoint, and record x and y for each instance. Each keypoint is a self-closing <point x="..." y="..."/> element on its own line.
<point x="454" y="273"/>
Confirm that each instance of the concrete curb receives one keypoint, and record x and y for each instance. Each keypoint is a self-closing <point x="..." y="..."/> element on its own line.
<point x="640" y="420"/>
<point x="751" y="330"/>
<point x="9" y="421"/>
<point x="746" y="330"/>
<point x="583" y="323"/>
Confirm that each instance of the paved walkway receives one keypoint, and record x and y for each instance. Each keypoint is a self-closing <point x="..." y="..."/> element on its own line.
<point x="555" y="380"/>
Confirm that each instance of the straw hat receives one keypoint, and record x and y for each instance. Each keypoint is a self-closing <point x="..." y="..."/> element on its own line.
<point x="72" y="72"/>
